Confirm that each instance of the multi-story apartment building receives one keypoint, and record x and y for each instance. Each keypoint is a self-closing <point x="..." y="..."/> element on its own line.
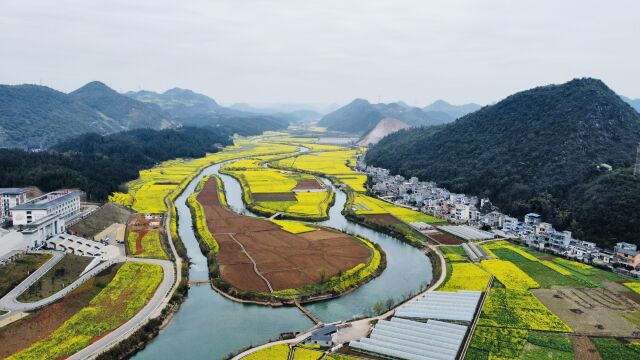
<point x="64" y="204"/>
<point x="10" y="197"/>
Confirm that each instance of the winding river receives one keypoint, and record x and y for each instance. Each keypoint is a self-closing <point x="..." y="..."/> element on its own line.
<point x="210" y="326"/>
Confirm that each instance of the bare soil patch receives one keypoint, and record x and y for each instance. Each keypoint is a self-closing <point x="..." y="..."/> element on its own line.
<point x="444" y="239"/>
<point x="308" y="184"/>
<point x="286" y="260"/>
<point x="275" y="196"/>
<point x="584" y="349"/>
<point x="24" y="332"/>
<point x="592" y="311"/>
<point x="385" y="218"/>
<point x="106" y="215"/>
<point x="139" y="249"/>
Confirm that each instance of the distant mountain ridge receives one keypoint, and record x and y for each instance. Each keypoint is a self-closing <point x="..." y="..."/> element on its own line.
<point x="37" y="117"/>
<point x="538" y="150"/>
<point x="360" y="116"/>
<point x="635" y="103"/>
<point x="128" y="113"/>
<point x="189" y="108"/>
<point x="33" y="116"/>
<point x="455" y="111"/>
<point x="178" y="102"/>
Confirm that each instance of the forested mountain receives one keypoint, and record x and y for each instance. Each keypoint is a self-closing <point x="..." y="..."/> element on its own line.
<point x="100" y="164"/>
<point x="300" y="114"/>
<point x="455" y="111"/>
<point x="243" y="125"/>
<point x="360" y="116"/>
<point x="129" y="113"/>
<point x="37" y="117"/>
<point x="538" y="150"/>
<point x="178" y="102"/>
<point x="189" y="108"/>
<point x="33" y="116"/>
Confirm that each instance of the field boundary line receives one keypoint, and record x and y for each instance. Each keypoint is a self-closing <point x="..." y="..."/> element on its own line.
<point x="255" y="266"/>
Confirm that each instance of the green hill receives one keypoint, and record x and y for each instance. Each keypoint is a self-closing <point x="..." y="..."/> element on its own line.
<point x="33" y="116"/>
<point x="538" y="150"/>
<point x="360" y="116"/>
<point x="178" y="102"/>
<point x="129" y="113"/>
<point x="99" y="164"/>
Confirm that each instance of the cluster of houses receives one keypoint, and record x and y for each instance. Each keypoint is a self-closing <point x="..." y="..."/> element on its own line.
<point x="427" y="197"/>
<point x="39" y="218"/>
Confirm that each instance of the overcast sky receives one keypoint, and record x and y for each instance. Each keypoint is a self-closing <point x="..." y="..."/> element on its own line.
<point x="322" y="51"/>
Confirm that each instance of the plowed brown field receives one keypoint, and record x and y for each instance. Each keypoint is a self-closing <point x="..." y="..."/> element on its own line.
<point x="286" y="260"/>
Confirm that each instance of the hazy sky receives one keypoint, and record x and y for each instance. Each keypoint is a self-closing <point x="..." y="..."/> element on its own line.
<point x="322" y="51"/>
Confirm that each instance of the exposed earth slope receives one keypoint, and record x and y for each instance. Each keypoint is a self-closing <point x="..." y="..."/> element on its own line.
<point x="385" y="127"/>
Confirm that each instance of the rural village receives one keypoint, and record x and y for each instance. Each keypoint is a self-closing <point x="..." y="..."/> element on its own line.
<point x="532" y="231"/>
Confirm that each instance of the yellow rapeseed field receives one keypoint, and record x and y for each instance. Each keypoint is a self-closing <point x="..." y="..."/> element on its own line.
<point x="509" y="274"/>
<point x="325" y="163"/>
<point x="364" y="204"/>
<point x="147" y="193"/>
<point x="120" y="300"/>
<point x="355" y="182"/>
<point x="294" y="227"/>
<point x="466" y="276"/>
<point x="275" y="352"/>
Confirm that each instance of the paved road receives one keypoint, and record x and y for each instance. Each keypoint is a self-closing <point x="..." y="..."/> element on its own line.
<point x="154" y="306"/>
<point x="10" y="301"/>
<point x="363" y="324"/>
<point x="170" y="282"/>
<point x="6" y="303"/>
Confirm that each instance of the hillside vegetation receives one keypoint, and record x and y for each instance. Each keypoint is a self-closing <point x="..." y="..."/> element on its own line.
<point x="538" y="150"/>
<point x="128" y="113"/>
<point x="37" y="117"/>
<point x="100" y="164"/>
<point x="34" y="116"/>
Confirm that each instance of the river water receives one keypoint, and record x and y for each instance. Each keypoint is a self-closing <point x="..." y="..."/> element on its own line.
<point x="209" y="326"/>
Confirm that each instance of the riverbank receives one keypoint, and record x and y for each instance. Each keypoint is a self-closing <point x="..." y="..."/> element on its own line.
<point x="331" y="288"/>
<point x="362" y="324"/>
<point x="202" y="326"/>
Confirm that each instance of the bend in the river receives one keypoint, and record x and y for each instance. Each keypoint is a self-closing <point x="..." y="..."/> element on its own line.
<point x="208" y="325"/>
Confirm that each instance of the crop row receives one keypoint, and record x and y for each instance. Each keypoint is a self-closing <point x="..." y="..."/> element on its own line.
<point x="519" y="309"/>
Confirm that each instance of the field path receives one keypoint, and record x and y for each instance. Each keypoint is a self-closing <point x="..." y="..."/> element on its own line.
<point x="255" y="266"/>
<point x="363" y="325"/>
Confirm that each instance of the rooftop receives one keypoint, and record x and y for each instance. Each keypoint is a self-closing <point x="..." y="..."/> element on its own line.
<point x="12" y="191"/>
<point x="45" y="202"/>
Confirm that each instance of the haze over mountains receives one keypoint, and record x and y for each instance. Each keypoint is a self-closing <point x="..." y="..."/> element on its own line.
<point x="360" y="116"/>
<point x="538" y="150"/>
<point x="635" y="103"/>
<point x="37" y="117"/>
<point x="454" y="111"/>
